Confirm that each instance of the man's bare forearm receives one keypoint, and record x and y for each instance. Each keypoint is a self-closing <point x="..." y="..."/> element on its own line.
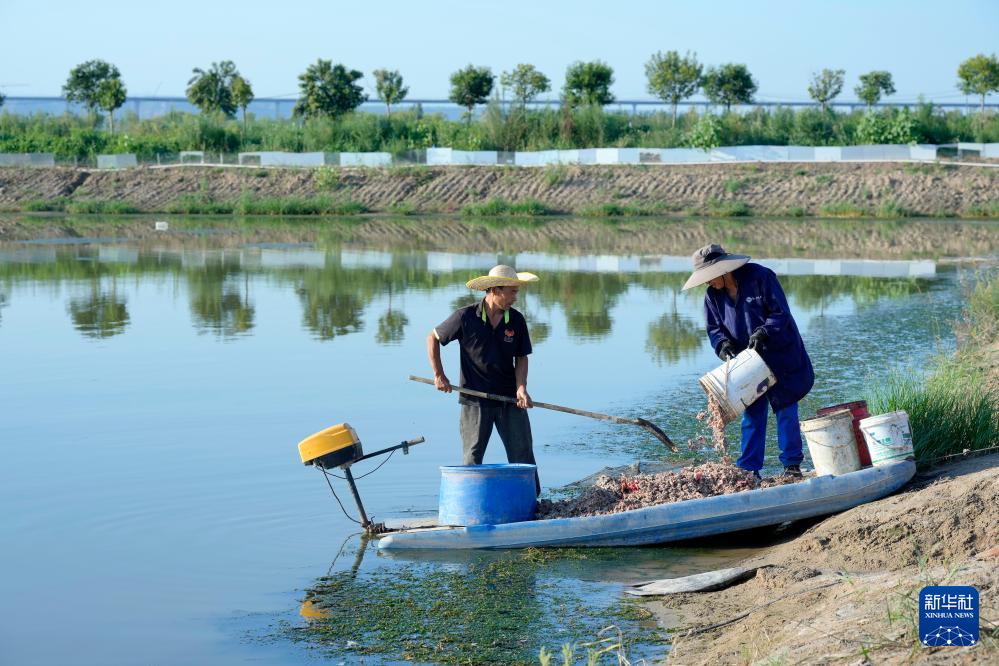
<point x="434" y="354"/>
<point x="520" y="371"/>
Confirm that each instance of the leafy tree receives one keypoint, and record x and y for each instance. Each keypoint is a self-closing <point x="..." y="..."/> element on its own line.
<point x="588" y="83"/>
<point x="328" y="90"/>
<point x="729" y="84"/>
<point x="873" y="85"/>
<point x="84" y="83"/>
<point x="525" y="83"/>
<point x="470" y="86"/>
<point x="672" y="77"/>
<point x="388" y="86"/>
<point x="826" y="85"/>
<point x="979" y="76"/>
<point x="211" y="90"/>
<point x="3" y="98"/>
<point x="110" y="97"/>
<point x="242" y="95"/>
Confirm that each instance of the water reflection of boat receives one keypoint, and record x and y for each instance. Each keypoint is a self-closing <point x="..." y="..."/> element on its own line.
<point x="672" y="522"/>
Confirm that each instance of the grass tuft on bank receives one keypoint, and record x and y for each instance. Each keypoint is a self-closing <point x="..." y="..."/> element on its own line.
<point x="954" y="409"/>
<point x="501" y="208"/>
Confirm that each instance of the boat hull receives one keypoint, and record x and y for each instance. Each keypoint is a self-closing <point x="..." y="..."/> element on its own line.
<point x="672" y="522"/>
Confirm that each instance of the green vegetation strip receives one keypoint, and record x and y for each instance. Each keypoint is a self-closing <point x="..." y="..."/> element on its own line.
<point x="955" y="408"/>
<point x="72" y="137"/>
<point x="482" y="611"/>
<point x="199" y="204"/>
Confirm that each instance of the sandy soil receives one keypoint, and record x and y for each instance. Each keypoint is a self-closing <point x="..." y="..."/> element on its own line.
<point x="844" y="592"/>
<point x="768" y="189"/>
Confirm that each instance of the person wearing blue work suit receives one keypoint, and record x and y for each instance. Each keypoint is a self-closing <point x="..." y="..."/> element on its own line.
<point x="745" y="308"/>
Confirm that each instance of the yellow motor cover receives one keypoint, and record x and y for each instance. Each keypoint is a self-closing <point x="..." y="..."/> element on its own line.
<point x="332" y="447"/>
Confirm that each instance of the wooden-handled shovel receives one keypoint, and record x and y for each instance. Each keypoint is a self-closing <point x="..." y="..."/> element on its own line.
<point x="642" y="423"/>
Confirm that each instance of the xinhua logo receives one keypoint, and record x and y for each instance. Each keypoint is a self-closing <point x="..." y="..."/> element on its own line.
<point x="948" y="615"/>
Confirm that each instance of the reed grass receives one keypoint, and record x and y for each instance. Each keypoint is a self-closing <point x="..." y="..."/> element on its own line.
<point x="90" y="207"/>
<point x="950" y="411"/>
<point x="44" y="205"/>
<point x="955" y="407"/>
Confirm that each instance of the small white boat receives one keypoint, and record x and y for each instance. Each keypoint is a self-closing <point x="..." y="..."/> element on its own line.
<point x="671" y="522"/>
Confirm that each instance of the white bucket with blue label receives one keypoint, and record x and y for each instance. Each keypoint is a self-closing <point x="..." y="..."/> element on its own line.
<point x="888" y="437"/>
<point x="738" y="383"/>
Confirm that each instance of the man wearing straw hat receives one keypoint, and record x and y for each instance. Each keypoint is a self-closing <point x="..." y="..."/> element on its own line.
<point x="494" y="345"/>
<point x="745" y="308"/>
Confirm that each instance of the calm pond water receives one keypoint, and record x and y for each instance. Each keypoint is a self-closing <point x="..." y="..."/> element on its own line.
<point x="155" y="510"/>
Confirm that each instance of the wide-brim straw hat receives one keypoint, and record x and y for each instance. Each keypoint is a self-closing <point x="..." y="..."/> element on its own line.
<point x="712" y="261"/>
<point x="501" y="276"/>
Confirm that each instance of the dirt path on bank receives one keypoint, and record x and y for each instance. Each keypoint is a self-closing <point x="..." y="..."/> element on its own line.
<point x="846" y="591"/>
<point x="766" y="189"/>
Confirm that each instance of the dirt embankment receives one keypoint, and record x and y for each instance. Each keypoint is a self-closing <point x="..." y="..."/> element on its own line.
<point x="763" y="189"/>
<point x="846" y="591"/>
<point x="869" y="239"/>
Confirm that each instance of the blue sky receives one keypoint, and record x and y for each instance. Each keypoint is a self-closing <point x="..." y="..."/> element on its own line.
<point x="155" y="45"/>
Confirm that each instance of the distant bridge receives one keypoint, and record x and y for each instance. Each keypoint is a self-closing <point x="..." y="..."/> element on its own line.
<point x="278" y="107"/>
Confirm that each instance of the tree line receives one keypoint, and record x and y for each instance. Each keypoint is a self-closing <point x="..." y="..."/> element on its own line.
<point x="332" y="90"/>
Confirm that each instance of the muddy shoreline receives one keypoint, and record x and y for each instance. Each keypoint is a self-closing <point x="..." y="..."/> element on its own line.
<point x="843" y="592"/>
<point x="718" y="190"/>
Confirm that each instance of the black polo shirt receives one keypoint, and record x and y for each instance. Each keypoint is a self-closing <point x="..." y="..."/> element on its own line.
<point x="487" y="353"/>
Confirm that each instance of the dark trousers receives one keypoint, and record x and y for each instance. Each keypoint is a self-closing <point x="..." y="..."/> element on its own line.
<point x="754" y="435"/>
<point x="512" y="424"/>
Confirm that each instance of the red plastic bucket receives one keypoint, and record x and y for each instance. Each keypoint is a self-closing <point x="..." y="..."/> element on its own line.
<point x="859" y="411"/>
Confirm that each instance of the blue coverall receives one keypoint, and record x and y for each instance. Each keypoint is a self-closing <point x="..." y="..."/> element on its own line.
<point x="760" y="303"/>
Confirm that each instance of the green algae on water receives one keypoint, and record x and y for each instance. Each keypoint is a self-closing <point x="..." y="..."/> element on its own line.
<point x="481" y="609"/>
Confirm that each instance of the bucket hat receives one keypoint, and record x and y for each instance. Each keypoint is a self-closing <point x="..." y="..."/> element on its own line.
<point x="501" y="276"/>
<point x="713" y="261"/>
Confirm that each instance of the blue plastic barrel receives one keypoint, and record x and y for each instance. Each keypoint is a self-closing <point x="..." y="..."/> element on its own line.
<point x="486" y="494"/>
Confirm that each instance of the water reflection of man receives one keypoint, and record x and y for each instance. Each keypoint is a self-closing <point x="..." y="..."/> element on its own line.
<point x="745" y="308"/>
<point x="494" y="345"/>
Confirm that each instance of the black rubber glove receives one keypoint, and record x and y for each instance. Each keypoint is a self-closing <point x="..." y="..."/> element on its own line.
<point x="725" y="351"/>
<point x="758" y="340"/>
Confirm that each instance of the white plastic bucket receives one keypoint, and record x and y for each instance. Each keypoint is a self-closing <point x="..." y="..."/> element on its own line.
<point x="888" y="437"/>
<point x="738" y="383"/>
<point x="831" y="443"/>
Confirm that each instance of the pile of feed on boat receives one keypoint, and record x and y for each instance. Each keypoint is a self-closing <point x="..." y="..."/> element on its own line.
<point x="624" y="493"/>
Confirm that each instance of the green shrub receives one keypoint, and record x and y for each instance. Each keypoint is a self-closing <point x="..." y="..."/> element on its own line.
<point x="328" y="178"/>
<point x="555" y="175"/>
<point x="733" y="185"/>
